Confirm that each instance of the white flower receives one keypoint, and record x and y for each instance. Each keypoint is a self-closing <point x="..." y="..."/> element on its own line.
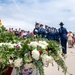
<point x="8" y="44"/>
<point x="35" y="54"/>
<point x="18" y="62"/>
<point x="43" y="44"/>
<point x="10" y="61"/>
<point x="33" y="44"/>
<point x="46" y="59"/>
<point x="1" y="44"/>
<point x="50" y="59"/>
<point x="11" y="45"/>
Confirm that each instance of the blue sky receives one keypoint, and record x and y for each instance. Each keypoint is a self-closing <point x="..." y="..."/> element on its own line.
<point x="24" y="13"/>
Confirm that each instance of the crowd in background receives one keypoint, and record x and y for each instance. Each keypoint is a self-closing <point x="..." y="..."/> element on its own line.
<point x="50" y="33"/>
<point x="19" y="32"/>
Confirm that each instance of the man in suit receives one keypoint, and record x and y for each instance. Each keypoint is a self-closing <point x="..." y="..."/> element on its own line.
<point x="63" y="38"/>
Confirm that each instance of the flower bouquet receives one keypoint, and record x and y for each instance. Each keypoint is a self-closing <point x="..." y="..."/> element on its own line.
<point x="27" y="54"/>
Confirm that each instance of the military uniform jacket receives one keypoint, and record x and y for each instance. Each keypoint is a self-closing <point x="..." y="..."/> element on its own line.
<point x="63" y="33"/>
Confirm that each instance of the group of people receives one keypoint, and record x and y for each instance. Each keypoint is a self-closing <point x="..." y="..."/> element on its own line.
<point x="51" y="33"/>
<point x="19" y="32"/>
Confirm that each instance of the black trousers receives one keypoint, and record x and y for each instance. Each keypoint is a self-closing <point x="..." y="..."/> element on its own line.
<point x="64" y="46"/>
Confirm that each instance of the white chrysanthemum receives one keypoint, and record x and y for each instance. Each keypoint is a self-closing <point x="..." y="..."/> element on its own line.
<point x="10" y="61"/>
<point x="43" y="42"/>
<point x="42" y="46"/>
<point x="50" y="59"/>
<point x="1" y="44"/>
<point x="8" y="44"/>
<point x="33" y="44"/>
<point x="35" y="54"/>
<point x="11" y="45"/>
<point x="14" y="44"/>
<point x="46" y="59"/>
<point x="18" y="62"/>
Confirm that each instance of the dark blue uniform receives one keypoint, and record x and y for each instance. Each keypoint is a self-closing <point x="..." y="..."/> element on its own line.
<point x="36" y="31"/>
<point x="52" y="34"/>
<point x="49" y="34"/>
<point x="63" y="38"/>
<point x="57" y="37"/>
<point x="42" y="32"/>
<point x="46" y="33"/>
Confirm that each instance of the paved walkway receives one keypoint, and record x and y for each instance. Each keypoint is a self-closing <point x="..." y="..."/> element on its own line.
<point x="70" y="62"/>
<point x="53" y="70"/>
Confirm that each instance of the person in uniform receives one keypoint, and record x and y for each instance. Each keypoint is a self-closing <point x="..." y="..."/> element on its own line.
<point x="49" y="33"/>
<point x="57" y="38"/>
<point x="63" y="37"/>
<point x="46" y="31"/>
<point x="36" y="30"/>
<point x="52" y="33"/>
<point x="42" y="31"/>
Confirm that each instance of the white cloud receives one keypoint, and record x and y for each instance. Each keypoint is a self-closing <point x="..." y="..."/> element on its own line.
<point x="9" y="23"/>
<point x="50" y="12"/>
<point x="72" y="19"/>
